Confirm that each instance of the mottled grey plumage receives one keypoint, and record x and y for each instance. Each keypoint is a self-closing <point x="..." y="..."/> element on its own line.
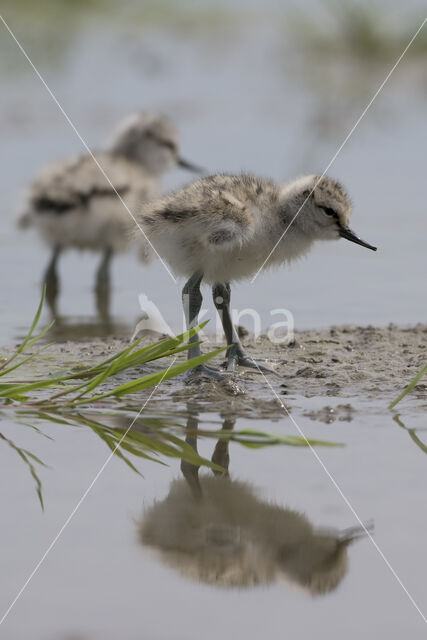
<point x="73" y="205"/>
<point x="225" y="227"/>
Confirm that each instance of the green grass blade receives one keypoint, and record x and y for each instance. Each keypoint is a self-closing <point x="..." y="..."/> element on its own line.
<point x="257" y="439"/>
<point x="27" y="338"/>
<point x="99" y="379"/>
<point x="127" y="446"/>
<point x="412" y="434"/>
<point x="410" y="386"/>
<point x="25" y="360"/>
<point x="33" y="427"/>
<point x="168" y="445"/>
<point x="35" y="458"/>
<point x="151" y="379"/>
<point x="113" y="436"/>
<point x="417" y="440"/>
<point x="25" y="455"/>
<point x="39" y="335"/>
<point x="113" y="444"/>
<point x="19" y="389"/>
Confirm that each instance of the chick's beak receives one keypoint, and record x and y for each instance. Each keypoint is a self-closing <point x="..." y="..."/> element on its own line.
<point x="348" y="234"/>
<point x="184" y="164"/>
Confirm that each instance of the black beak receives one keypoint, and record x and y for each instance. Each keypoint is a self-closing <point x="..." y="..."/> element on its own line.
<point x="348" y="234"/>
<point x="189" y="166"/>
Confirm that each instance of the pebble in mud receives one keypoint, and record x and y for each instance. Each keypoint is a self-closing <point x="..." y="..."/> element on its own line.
<point x="342" y="413"/>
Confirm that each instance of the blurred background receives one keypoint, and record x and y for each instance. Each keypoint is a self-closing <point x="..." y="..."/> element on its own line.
<point x="269" y="87"/>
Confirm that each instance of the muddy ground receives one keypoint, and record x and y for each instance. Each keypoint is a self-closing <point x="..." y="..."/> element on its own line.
<point x="367" y="363"/>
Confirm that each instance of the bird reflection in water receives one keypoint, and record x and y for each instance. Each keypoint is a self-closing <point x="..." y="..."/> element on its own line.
<point x="219" y="531"/>
<point x="85" y="327"/>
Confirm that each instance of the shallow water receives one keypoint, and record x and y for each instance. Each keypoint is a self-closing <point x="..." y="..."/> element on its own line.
<point x="241" y="105"/>
<point x="100" y="582"/>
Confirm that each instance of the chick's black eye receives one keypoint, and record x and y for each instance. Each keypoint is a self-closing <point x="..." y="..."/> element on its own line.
<point x="169" y="145"/>
<point x="330" y="212"/>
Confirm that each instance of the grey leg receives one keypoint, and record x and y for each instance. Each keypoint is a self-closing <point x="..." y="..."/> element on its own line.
<point x="51" y="280"/>
<point x="191" y="471"/>
<point x="103" y="273"/>
<point x="102" y="301"/>
<point x="235" y="355"/>
<point x="102" y="287"/>
<point x="51" y="275"/>
<point x="192" y="301"/>
<point x="220" y="455"/>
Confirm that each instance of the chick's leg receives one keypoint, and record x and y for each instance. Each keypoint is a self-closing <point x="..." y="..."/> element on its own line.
<point x="192" y="302"/>
<point x="236" y="355"/>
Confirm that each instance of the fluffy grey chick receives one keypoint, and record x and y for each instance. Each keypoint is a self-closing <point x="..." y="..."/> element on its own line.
<point x="228" y="227"/>
<point x="73" y="205"/>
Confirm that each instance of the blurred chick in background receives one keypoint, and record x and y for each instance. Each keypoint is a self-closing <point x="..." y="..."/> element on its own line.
<point x="74" y="206"/>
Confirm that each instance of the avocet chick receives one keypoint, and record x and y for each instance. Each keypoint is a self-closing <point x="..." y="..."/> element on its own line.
<point x="73" y="205"/>
<point x="228" y="227"/>
<point x="227" y="536"/>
